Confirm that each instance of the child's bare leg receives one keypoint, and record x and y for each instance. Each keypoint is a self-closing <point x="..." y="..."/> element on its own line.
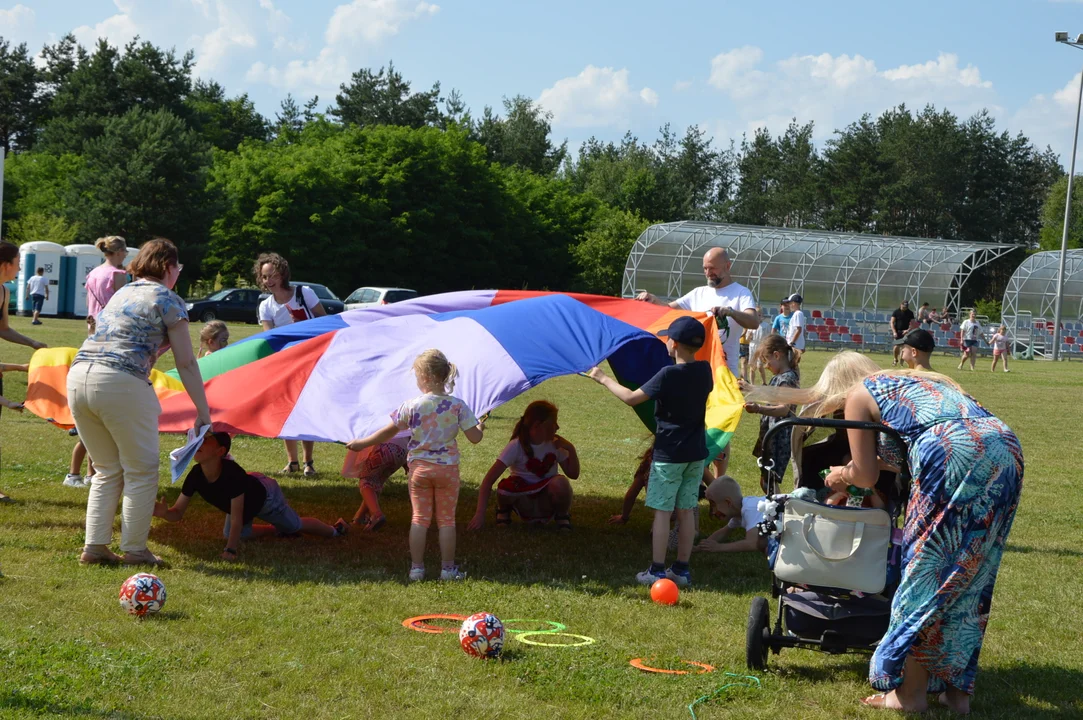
<point x="371" y="501"/>
<point x="417" y="544"/>
<point x="312" y="526"/>
<point x="686" y="535"/>
<point x="362" y="511"/>
<point x="996" y="359"/>
<point x="1005" y="356"/>
<point x="291" y="451"/>
<point x="447" y="545"/>
<point x="262" y="530"/>
<point x="660" y="536"/>
<point x="77" y="454"/>
<point x="308" y="445"/>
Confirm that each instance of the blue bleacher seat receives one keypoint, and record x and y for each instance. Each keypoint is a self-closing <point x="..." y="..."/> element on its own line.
<point x="835" y="337"/>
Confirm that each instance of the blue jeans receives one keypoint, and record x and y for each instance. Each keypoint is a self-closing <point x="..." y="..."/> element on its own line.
<point x="275" y="511"/>
<point x="37" y="302"/>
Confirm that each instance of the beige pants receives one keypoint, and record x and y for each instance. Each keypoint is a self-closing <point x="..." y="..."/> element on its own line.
<point x="116" y="415"/>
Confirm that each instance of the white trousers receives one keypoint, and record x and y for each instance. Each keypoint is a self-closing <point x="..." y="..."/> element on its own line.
<point x="116" y="415"/>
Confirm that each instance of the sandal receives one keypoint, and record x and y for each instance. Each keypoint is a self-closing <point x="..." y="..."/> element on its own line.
<point x="503" y="517"/>
<point x="142" y="557"/>
<point x="291" y="468"/>
<point x="98" y="555"/>
<point x="375" y="523"/>
<point x="5" y="499"/>
<point x="564" y="522"/>
<point x="310" y="469"/>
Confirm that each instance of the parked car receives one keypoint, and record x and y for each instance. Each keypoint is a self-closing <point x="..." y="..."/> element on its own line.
<point x="369" y="296"/>
<point x="331" y="304"/>
<point x="239" y="304"/>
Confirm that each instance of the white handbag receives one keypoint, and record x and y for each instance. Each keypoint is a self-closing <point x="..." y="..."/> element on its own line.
<point x="831" y="546"/>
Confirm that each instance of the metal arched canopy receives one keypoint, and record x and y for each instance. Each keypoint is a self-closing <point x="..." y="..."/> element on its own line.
<point x="844" y="271"/>
<point x="1033" y="286"/>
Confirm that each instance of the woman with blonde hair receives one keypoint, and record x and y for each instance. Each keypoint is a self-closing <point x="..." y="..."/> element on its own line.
<point x="968" y="475"/>
<point x="103" y="281"/>
<point x="116" y="409"/>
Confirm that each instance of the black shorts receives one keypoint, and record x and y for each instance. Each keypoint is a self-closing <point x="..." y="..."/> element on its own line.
<point x="742" y="350"/>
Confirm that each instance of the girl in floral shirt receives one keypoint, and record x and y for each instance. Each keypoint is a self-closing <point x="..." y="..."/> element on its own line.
<point x="433" y="421"/>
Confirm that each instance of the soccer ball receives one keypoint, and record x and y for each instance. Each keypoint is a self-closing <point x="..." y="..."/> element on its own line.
<point x="482" y="635"/>
<point x="142" y="594"/>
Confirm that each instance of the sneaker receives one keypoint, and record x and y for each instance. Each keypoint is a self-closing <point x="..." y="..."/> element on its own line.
<point x="87" y="479"/>
<point x="73" y="433"/>
<point x="416" y="574"/>
<point x="75" y="481"/>
<point x="1007" y="370"/>
<point x="452" y="574"/>
<point x="682" y="579"/>
<point x="36" y="322"/>
<point x="648" y="578"/>
<point x="341" y="527"/>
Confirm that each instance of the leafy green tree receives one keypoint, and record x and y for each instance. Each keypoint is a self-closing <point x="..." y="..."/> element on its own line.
<point x="145" y="176"/>
<point x="36" y="183"/>
<point x="20" y="105"/>
<point x="521" y="138"/>
<point x="224" y="123"/>
<point x="852" y="173"/>
<point x="40" y="226"/>
<point x="384" y="98"/>
<point x="796" y="196"/>
<point x="1053" y="215"/>
<point x="602" y="252"/>
<point x="758" y="168"/>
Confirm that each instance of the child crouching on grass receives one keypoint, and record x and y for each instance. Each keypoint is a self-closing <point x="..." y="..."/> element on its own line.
<point x="372" y="467"/>
<point x="534" y="490"/>
<point x="433" y="419"/>
<point x="242" y="497"/>
<point x="680" y="393"/>
<point x="737" y="512"/>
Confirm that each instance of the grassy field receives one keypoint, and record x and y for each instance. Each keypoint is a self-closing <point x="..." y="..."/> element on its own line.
<point x="312" y="628"/>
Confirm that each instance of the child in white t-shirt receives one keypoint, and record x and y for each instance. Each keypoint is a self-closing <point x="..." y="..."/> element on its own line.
<point x="739" y="513"/>
<point x="534" y="489"/>
<point x="999" y="341"/>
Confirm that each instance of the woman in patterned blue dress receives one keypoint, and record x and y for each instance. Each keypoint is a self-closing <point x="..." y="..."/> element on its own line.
<point x="967" y="476"/>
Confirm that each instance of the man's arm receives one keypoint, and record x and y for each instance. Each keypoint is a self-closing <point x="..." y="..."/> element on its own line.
<point x="749" y="319"/>
<point x="655" y="300"/>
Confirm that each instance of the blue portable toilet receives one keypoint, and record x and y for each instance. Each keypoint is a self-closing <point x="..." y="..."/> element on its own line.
<point x="80" y="260"/>
<point x="45" y="255"/>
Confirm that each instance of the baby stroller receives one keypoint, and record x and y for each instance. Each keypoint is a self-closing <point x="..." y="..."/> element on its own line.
<point x="832" y="566"/>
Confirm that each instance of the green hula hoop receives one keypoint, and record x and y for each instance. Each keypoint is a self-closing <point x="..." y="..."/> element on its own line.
<point x="555" y="626"/>
<point x="522" y="637"/>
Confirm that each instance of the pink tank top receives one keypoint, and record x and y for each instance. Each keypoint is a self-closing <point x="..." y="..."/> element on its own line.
<point x="99" y="288"/>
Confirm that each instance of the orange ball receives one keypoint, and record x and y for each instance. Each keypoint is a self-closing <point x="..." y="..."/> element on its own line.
<point x="664" y="592"/>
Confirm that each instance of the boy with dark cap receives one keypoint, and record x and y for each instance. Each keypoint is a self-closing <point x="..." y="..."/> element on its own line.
<point x="916" y="349"/>
<point x="680" y="394"/>
<point x="243" y="497"/>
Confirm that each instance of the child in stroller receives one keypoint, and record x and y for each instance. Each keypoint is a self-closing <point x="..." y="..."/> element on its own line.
<point x="818" y="615"/>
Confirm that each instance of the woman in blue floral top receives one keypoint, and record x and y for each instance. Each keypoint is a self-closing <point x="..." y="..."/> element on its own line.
<point x="116" y="409"/>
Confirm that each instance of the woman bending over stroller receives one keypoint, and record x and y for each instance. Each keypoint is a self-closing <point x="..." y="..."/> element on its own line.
<point x="969" y="474"/>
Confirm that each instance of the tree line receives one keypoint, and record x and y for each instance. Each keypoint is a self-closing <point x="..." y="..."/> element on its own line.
<point x="394" y="185"/>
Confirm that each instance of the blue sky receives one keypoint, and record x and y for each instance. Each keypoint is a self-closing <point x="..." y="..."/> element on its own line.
<point x="604" y="67"/>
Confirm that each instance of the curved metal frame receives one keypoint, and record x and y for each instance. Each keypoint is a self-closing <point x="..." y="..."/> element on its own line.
<point x="1037" y="277"/>
<point x="909" y="261"/>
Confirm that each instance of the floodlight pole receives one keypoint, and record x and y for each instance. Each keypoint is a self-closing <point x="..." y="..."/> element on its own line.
<point x="1067" y="216"/>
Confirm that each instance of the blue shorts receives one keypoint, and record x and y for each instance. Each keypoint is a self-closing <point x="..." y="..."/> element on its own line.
<point x="274" y="511"/>
<point x="970" y="343"/>
<point x="37" y="302"/>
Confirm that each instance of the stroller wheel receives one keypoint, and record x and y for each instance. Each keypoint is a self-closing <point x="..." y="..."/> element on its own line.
<point x="756" y="635"/>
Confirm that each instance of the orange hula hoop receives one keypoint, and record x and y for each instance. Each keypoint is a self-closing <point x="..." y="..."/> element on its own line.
<point x="637" y="663"/>
<point x="418" y="623"/>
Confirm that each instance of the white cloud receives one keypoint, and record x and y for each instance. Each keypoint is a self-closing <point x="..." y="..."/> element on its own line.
<point x="277" y="21"/>
<point x="834" y="90"/>
<point x="681" y="85"/>
<point x="596" y="96"/>
<point x="1049" y="119"/>
<point x="118" y="29"/>
<point x="373" y="20"/>
<point x="17" y="20"/>
<point x="232" y="33"/>
<point x="352" y="27"/>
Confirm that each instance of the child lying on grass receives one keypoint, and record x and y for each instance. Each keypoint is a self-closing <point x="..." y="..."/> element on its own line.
<point x="728" y="505"/>
<point x="243" y="497"/>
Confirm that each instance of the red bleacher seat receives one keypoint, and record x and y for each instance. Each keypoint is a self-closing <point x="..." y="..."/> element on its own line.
<point x="844" y="330"/>
<point x="830" y="322"/>
<point x="1070" y="340"/>
<point x="817" y="314"/>
<point x="953" y="342"/>
<point x="945" y="327"/>
<point x="856" y="338"/>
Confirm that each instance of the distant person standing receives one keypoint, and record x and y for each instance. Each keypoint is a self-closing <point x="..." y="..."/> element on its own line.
<point x="721" y="297"/>
<point x="795" y="333"/>
<point x="971" y="332"/>
<point x="924" y="314"/>
<point x="284" y="306"/>
<point x="755" y="361"/>
<point x="103" y="281"/>
<point x="37" y="291"/>
<point x="999" y="341"/>
<point x="900" y="325"/>
<point x="781" y="324"/>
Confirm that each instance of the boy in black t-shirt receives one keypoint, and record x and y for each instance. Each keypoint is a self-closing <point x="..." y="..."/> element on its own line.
<point x="243" y="497"/>
<point x="680" y="394"/>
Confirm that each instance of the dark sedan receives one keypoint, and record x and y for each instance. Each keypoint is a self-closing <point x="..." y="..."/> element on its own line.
<point x="331" y="304"/>
<point x="238" y="304"/>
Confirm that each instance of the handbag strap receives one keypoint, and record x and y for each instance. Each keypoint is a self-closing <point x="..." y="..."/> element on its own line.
<point x="859" y="529"/>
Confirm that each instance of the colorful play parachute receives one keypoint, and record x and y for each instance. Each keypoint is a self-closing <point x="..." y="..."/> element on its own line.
<point x="337" y="377"/>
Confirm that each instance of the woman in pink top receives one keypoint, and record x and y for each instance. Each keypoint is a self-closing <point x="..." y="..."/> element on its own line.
<point x="105" y="279"/>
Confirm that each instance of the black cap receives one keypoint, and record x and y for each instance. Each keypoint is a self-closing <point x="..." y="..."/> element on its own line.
<point x="794" y="298"/>
<point x="686" y="331"/>
<point x="919" y="340"/>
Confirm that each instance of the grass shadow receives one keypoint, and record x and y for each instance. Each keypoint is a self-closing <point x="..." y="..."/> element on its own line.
<point x="1028" y="550"/>
<point x="15" y="700"/>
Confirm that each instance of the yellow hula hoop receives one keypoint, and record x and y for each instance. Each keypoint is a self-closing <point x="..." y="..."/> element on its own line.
<point x="522" y="637"/>
<point x="555" y="627"/>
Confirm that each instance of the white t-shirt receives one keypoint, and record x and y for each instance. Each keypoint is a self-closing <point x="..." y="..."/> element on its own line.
<point x="750" y="514"/>
<point x="270" y="310"/>
<point x="971" y="329"/>
<point x="999" y="342"/>
<point x="797" y="320"/>
<point x="536" y="469"/>
<point x="734" y="296"/>
<point x="38" y="284"/>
